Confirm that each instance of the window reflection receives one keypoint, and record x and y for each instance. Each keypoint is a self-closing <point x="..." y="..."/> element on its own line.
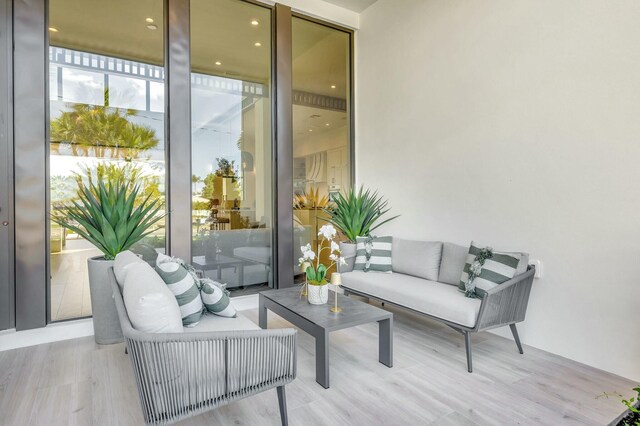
<point x="106" y="121"/>
<point x="321" y="164"/>
<point x="231" y="142"/>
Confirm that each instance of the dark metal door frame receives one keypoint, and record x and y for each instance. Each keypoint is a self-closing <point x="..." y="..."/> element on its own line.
<point x="178" y="122"/>
<point x="7" y="312"/>
<point x="30" y="126"/>
<point x="283" y="149"/>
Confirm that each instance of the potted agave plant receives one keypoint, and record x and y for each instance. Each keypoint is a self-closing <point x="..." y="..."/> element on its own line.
<point x="113" y="218"/>
<point x="317" y="285"/>
<point x="356" y="214"/>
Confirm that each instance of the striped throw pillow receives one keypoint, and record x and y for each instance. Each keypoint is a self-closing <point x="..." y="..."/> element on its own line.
<point x="373" y="254"/>
<point x="216" y="299"/>
<point x="499" y="268"/>
<point x="184" y="287"/>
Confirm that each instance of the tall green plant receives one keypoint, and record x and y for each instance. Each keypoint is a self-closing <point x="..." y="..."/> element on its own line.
<point x="357" y="214"/>
<point x="109" y="217"/>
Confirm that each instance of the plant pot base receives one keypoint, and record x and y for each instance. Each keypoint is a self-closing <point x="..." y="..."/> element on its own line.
<point x="106" y="324"/>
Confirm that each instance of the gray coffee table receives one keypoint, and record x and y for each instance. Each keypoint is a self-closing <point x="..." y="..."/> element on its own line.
<point x="319" y="321"/>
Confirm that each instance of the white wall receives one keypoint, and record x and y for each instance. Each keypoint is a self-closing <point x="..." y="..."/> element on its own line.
<point x="517" y="124"/>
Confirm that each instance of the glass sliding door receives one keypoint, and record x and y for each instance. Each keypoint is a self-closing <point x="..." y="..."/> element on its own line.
<point x="106" y="107"/>
<point x="321" y="124"/>
<point x="232" y="220"/>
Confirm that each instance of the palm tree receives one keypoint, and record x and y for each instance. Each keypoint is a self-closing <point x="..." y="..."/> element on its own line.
<point x="195" y="180"/>
<point x="101" y="131"/>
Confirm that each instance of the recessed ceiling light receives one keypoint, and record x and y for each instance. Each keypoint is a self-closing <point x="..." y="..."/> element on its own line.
<point x="255" y="22"/>
<point x="257" y="44"/>
<point x="53" y="29"/>
<point x="152" y="26"/>
<point x="327" y="124"/>
<point x="311" y="130"/>
<point x="149" y="20"/>
<point x="333" y="86"/>
<point x="218" y="63"/>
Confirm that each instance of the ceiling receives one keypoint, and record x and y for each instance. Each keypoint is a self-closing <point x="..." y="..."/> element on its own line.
<point x="223" y="39"/>
<point x="354" y="5"/>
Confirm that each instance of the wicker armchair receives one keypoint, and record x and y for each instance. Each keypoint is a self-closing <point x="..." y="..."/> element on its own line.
<point x="180" y="375"/>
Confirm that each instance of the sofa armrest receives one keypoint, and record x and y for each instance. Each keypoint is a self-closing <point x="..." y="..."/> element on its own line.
<point x="507" y="302"/>
<point x="180" y="374"/>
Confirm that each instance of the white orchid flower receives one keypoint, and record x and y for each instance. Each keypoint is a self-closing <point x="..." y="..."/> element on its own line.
<point x="327" y="231"/>
<point x="333" y="257"/>
<point x="342" y="261"/>
<point x="335" y="247"/>
<point x="306" y="248"/>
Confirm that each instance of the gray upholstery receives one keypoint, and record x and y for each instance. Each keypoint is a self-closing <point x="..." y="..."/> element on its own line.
<point x="211" y="322"/>
<point x="453" y="260"/>
<point x="418" y="258"/>
<point x="523" y="264"/>
<point x="429" y="297"/>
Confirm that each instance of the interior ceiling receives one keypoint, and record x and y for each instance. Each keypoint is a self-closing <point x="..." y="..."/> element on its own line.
<point x="354" y="5"/>
<point x="311" y="123"/>
<point x="221" y="31"/>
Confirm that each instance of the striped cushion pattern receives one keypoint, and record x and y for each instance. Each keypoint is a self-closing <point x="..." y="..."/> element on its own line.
<point x="496" y="270"/>
<point x="379" y="249"/>
<point x="183" y="286"/>
<point x="215" y="299"/>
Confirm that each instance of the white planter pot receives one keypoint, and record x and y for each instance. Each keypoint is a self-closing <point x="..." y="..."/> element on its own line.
<point x="318" y="294"/>
<point x="106" y="325"/>
<point x="348" y="251"/>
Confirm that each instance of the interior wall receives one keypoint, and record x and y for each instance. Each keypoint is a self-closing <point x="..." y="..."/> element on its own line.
<point x="515" y="124"/>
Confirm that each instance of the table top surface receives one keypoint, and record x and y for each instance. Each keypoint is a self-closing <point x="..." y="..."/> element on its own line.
<point x="354" y="312"/>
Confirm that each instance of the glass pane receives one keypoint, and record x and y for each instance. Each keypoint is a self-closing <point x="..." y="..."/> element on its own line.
<point x="231" y="142"/>
<point x="321" y="148"/>
<point x="102" y="88"/>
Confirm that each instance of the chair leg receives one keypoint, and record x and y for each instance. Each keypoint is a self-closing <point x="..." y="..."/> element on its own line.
<point x="467" y="343"/>
<point x="282" y="402"/>
<point x="514" y="331"/>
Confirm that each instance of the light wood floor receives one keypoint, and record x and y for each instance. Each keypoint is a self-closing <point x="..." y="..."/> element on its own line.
<point x="79" y="383"/>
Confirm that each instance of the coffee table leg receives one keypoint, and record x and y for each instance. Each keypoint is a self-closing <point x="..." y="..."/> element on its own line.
<point x="262" y="312"/>
<point x="385" y="342"/>
<point x="322" y="358"/>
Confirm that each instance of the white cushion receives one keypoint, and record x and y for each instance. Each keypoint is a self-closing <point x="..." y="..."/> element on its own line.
<point x="122" y="263"/>
<point x="433" y="298"/>
<point x="211" y="322"/>
<point x="151" y="306"/>
<point x="418" y="258"/>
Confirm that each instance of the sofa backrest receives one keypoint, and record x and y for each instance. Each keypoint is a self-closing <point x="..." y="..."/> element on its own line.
<point x="417" y="258"/>
<point x="454" y="257"/>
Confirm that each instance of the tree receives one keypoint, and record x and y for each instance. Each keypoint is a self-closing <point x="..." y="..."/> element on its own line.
<point x="226" y="168"/>
<point x="101" y="131"/>
<point x="208" y="190"/>
<point x="195" y="180"/>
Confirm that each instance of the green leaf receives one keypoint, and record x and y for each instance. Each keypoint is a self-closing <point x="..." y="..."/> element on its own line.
<point x="107" y="216"/>
<point x="358" y="213"/>
<point x="311" y="273"/>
